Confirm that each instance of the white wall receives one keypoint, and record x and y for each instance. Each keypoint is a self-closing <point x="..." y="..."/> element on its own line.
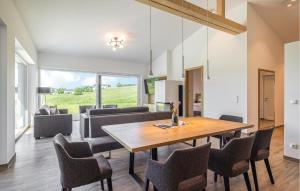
<point x="90" y="64"/>
<point x="291" y="93"/>
<point x="227" y="55"/>
<point x="265" y="51"/>
<point x="15" y="28"/>
<point x="160" y="65"/>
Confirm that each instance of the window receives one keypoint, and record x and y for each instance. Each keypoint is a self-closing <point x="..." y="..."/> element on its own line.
<point x="119" y="91"/>
<point x="21" y="96"/>
<point x="69" y="89"/>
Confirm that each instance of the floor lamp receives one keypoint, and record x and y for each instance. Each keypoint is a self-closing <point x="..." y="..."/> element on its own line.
<point x="44" y="91"/>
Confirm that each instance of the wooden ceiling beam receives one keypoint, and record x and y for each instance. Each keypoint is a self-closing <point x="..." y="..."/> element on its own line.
<point x="221" y="8"/>
<point x="197" y="14"/>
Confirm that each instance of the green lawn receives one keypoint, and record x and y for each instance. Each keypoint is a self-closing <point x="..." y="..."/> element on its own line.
<point x="122" y="96"/>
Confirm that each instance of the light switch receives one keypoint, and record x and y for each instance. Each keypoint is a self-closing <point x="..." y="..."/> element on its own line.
<point x="295" y="101"/>
<point x="294" y="146"/>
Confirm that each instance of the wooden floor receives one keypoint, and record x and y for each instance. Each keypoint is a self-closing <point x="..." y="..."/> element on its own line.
<point x="36" y="168"/>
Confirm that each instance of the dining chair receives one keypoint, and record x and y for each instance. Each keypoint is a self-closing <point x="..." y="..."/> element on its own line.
<point x="261" y="151"/>
<point x="184" y="170"/>
<point x="232" y="160"/>
<point x="84" y="108"/>
<point x="111" y="106"/>
<point x="224" y="138"/>
<point x="78" y="166"/>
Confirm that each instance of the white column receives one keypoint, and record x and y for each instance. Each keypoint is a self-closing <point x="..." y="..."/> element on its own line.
<point x="7" y="106"/>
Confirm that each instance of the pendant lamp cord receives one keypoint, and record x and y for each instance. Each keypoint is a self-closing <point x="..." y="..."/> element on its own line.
<point x="150" y="44"/>
<point x="182" y="40"/>
<point x="207" y="59"/>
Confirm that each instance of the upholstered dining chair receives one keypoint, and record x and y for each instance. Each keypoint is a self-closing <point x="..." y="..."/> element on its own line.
<point x="224" y="138"/>
<point x="78" y="166"/>
<point x="84" y="108"/>
<point x="184" y="170"/>
<point x="261" y="151"/>
<point x="232" y="160"/>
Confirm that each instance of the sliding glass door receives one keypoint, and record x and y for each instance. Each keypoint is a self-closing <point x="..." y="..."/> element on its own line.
<point x="21" y="96"/>
<point x="118" y="91"/>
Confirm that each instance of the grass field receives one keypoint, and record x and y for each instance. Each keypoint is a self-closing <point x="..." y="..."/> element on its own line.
<point x="122" y="96"/>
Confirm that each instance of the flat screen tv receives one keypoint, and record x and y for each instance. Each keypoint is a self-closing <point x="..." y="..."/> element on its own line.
<point x="149" y="85"/>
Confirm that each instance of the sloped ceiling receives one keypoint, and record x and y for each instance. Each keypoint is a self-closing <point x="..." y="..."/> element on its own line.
<point x="284" y="20"/>
<point x="79" y="27"/>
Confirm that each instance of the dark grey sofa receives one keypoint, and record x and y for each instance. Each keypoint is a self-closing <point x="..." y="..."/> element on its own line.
<point x="50" y="125"/>
<point x="100" y="141"/>
<point x="84" y="118"/>
<point x="96" y="122"/>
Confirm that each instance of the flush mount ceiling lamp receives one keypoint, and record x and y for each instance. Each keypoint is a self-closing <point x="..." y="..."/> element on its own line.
<point x="116" y="42"/>
<point x="290" y="3"/>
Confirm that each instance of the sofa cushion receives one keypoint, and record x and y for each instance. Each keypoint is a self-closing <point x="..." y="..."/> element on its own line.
<point x="102" y="144"/>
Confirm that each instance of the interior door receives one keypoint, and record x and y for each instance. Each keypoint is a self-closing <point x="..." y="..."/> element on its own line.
<point x="268" y="97"/>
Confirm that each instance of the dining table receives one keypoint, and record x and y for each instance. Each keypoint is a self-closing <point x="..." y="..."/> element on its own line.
<point x="150" y="135"/>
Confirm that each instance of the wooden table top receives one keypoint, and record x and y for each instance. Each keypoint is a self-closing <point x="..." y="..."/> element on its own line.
<point x="143" y="136"/>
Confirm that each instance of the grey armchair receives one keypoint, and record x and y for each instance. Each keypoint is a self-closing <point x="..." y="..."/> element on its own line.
<point x="184" y="170"/>
<point x="78" y="166"/>
<point x="261" y="151"/>
<point x="224" y="138"/>
<point x="232" y="160"/>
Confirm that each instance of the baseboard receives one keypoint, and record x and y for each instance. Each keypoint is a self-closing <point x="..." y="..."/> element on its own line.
<point x="4" y="167"/>
<point x="291" y="159"/>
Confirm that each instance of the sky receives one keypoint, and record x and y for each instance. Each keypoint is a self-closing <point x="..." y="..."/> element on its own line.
<point x="71" y="80"/>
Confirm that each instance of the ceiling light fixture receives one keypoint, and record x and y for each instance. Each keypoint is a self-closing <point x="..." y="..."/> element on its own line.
<point x="116" y="42"/>
<point x="290" y="3"/>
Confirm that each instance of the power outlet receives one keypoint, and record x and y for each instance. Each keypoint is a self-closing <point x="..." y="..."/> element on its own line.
<point x="294" y="146"/>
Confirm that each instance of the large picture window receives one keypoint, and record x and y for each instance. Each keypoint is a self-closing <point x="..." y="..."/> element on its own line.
<point x="118" y="91"/>
<point x="69" y="89"/>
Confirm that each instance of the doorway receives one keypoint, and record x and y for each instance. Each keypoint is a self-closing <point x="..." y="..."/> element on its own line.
<point x="194" y="92"/>
<point x="266" y="98"/>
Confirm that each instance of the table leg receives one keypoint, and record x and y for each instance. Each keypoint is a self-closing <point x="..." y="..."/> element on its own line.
<point x="194" y="142"/>
<point x="154" y="154"/>
<point x="131" y="163"/>
<point x="131" y="170"/>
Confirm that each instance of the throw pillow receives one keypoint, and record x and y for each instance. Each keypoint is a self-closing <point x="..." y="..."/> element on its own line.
<point x="44" y="111"/>
<point x="54" y="110"/>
